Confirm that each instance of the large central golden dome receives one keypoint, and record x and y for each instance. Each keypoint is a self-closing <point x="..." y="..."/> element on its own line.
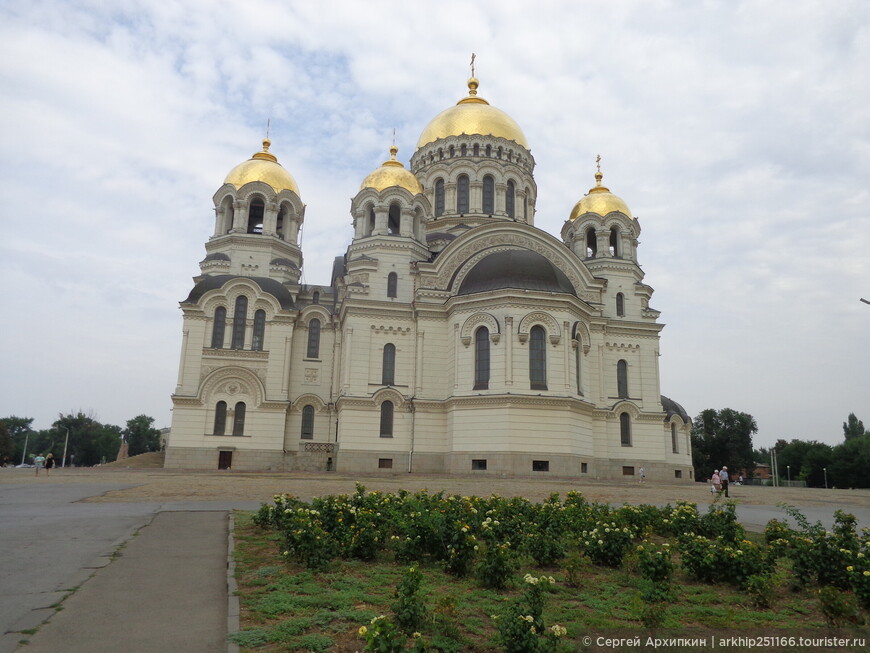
<point x="472" y="115"/>
<point x="263" y="166"/>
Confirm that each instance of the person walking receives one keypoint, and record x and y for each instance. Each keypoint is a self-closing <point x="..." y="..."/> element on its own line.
<point x="49" y="463"/>
<point x="642" y="475"/>
<point x="39" y="461"/>
<point x="723" y="480"/>
<point x="716" y="483"/>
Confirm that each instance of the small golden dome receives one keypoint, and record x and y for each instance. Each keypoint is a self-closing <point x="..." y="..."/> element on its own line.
<point x="472" y="115"/>
<point x="392" y="173"/>
<point x="599" y="200"/>
<point x="263" y="166"/>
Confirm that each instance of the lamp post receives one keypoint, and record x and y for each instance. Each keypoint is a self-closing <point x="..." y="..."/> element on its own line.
<point x="65" y="443"/>
<point x="788" y="469"/>
<point x="24" y="453"/>
<point x="825" y="469"/>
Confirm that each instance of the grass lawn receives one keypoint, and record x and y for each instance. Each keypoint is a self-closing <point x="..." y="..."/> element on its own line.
<point x="286" y="607"/>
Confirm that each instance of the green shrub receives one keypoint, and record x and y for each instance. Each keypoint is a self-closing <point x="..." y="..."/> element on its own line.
<point x="409" y="608"/>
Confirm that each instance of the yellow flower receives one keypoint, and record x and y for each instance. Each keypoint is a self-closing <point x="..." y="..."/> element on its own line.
<point x="363" y="630"/>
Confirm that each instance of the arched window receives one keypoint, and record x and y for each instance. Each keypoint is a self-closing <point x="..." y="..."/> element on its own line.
<point x="481" y="359"/>
<point x="313" y="338"/>
<point x="463" y="150"/>
<point x="392" y="284"/>
<point x="279" y="224"/>
<point x="578" y="353"/>
<point x="240" y="317"/>
<point x="475" y="150"/>
<point x="674" y="443"/>
<point x="255" y="216"/>
<point x="259" y="330"/>
<point x="489" y="151"/>
<point x="388" y="368"/>
<point x="307" y="423"/>
<point x="614" y="242"/>
<point x="452" y="151"/>
<point x="315" y="298"/>
<point x="509" y="195"/>
<point x="622" y="379"/>
<point x="620" y="304"/>
<point x="220" y="325"/>
<point x="220" y="418"/>
<point x="370" y="229"/>
<point x="526" y="206"/>
<point x="462" y="194"/>
<point x="239" y="419"/>
<point x="499" y="152"/>
<point x="488" y="194"/>
<point x="394" y="220"/>
<point x="439" y="197"/>
<point x="591" y="242"/>
<point x="538" y="358"/>
<point x="387" y="419"/>
<point x="625" y="429"/>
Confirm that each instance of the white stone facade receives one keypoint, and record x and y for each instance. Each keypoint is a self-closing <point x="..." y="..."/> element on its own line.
<point x="454" y="337"/>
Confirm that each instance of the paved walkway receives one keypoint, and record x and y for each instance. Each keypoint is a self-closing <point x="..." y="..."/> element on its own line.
<point x="140" y="576"/>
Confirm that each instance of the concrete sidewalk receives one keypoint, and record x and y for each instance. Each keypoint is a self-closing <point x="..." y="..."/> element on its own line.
<point x="167" y="591"/>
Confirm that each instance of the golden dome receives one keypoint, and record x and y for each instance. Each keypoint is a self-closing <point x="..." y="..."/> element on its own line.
<point x="599" y="200"/>
<point x="392" y="173"/>
<point x="472" y="115"/>
<point x="263" y="166"/>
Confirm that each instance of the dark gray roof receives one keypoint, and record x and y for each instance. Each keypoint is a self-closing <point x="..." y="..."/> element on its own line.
<point x="283" y="261"/>
<point x="440" y="235"/>
<point x="217" y="257"/>
<point x="267" y="285"/>
<point x="673" y="408"/>
<point x="516" y="268"/>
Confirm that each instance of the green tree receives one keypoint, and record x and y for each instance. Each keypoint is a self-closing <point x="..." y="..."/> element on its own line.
<point x="807" y="459"/>
<point x="853" y="427"/>
<point x="19" y="429"/>
<point x="90" y="443"/>
<point x="850" y="462"/>
<point x="723" y="438"/>
<point x="7" y="446"/>
<point x="141" y="436"/>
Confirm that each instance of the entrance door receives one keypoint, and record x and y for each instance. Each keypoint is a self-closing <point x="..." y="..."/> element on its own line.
<point x="225" y="459"/>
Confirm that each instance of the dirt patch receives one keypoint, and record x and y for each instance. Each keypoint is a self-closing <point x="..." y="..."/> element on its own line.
<point x="172" y="485"/>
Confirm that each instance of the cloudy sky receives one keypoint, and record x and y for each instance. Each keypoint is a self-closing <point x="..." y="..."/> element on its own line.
<point x="737" y="132"/>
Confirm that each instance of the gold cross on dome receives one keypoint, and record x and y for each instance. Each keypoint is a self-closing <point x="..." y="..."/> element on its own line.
<point x="472" y="63"/>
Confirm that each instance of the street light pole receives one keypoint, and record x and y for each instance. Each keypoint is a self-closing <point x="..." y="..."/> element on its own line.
<point x="788" y="468"/>
<point x="825" y="469"/>
<point x="24" y="453"/>
<point x="65" y="443"/>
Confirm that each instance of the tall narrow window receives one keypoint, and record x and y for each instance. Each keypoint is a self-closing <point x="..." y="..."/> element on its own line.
<point x="463" y="150"/>
<point x="255" y="217"/>
<point x="625" y="429"/>
<point x="394" y="220"/>
<point x="578" y="353"/>
<point x="220" y="418"/>
<point x="620" y="304"/>
<point x="674" y="441"/>
<point x="481" y="359"/>
<point x="220" y="325"/>
<point x="240" y="317"/>
<point x="315" y="298"/>
<point x="509" y="197"/>
<point x="488" y="194"/>
<point x="591" y="242"/>
<point x="439" y="197"/>
<point x="622" y="379"/>
<point x="313" y="338"/>
<point x="239" y="419"/>
<point x="307" y="423"/>
<point x="489" y="151"/>
<point x="475" y="150"/>
<point x="387" y="419"/>
<point x="614" y="242"/>
<point x="392" y="284"/>
<point x="462" y="194"/>
<point x="538" y="358"/>
<point x="259" y="330"/>
<point x="388" y="368"/>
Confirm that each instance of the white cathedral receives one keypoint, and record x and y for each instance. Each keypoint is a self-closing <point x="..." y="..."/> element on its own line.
<point x="453" y="337"/>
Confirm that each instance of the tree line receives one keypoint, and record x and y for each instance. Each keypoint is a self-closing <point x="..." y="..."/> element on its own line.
<point x="88" y="442"/>
<point x="724" y="437"/>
